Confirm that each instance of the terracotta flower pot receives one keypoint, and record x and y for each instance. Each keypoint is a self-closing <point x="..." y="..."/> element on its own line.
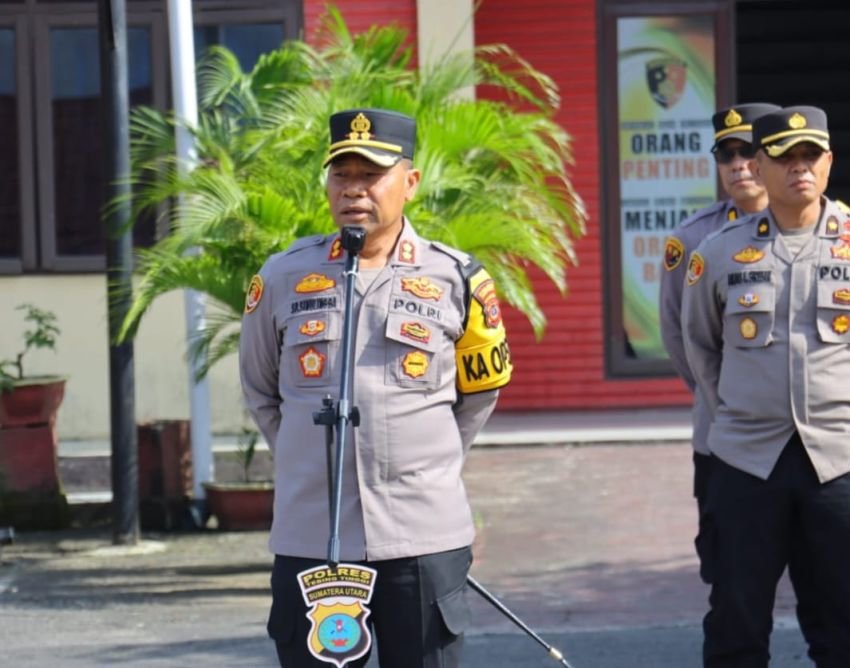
<point x="32" y="401"/>
<point x="241" y="506"/>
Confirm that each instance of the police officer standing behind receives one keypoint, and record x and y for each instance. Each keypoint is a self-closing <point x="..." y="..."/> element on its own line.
<point x="733" y="152"/>
<point x="766" y="323"/>
<point x="428" y="355"/>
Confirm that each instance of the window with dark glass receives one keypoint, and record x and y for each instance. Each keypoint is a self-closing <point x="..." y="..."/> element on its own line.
<point x="78" y="149"/>
<point x="10" y="186"/>
<point x="247" y="41"/>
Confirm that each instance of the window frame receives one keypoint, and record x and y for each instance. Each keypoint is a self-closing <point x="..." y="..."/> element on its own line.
<point x="618" y="365"/>
<point x="26" y="167"/>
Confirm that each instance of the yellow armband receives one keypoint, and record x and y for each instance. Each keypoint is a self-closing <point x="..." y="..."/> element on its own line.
<point x="482" y="354"/>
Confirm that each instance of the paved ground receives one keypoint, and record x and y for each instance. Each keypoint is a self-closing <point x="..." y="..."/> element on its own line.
<point x="590" y="545"/>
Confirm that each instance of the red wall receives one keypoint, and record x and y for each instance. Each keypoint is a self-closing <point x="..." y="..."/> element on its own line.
<point x="359" y="15"/>
<point x="567" y="368"/>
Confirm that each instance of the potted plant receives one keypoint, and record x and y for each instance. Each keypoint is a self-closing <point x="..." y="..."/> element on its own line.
<point x="30" y="493"/>
<point x="247" y="503"/>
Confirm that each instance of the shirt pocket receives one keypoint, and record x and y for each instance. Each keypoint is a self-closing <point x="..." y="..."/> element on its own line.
<point x="412" y="352"/>
<point x="749" y="316"/>
<point x="833" y="312"/>
<point x="310" y="346"/>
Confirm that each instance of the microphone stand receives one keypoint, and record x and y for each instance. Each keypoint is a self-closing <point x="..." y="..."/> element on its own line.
<point x="338" y="416"/>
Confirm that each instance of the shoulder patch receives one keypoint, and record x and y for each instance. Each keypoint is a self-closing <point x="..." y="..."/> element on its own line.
<point x="696" y="268"/>
<point x="254" y="294"/>
<point x="674" y="251"/>
<point x="482" y="355"/>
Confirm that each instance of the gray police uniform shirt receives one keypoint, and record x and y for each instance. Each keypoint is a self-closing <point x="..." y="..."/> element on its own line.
<point x="676" y="249"/>
<point x="402" y="491"/>
<point x="766" y="335"/>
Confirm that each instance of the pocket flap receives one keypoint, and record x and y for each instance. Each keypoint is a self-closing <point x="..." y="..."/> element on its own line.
<point x="747" y="298"/>
<point x="416" y="332"/>
<point x="454" y="609"/>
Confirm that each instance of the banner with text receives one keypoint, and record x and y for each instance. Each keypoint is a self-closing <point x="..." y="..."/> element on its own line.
<point x="666" y="97"/>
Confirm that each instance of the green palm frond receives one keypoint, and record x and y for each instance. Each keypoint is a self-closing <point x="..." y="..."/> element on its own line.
<point x="494" y="183"/>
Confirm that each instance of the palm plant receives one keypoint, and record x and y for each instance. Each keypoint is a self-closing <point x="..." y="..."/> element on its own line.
<point x="494" y="170"/>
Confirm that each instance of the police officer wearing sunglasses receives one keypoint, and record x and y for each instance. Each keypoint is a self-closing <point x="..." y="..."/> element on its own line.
<point x="733" y="151"/>
<point x="766" y="325"/>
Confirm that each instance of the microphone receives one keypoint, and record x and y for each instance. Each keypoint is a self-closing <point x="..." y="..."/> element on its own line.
<point x="353" y="238"/>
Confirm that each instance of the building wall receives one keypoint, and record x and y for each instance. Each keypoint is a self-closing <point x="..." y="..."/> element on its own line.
<point x="566" y="369"/>
<point x="82" y="354"/>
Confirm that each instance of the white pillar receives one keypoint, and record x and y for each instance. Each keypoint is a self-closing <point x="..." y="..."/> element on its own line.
<point x="445" y="27"/>
<point x="185" y="96"/>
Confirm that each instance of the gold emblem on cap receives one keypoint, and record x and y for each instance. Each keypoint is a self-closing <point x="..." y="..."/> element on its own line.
<point x="732" y="118"/>
<point x="360" y="126"/>
<point x="797" y="121"/>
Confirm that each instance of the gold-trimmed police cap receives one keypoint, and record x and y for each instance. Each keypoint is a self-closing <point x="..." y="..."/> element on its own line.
<point x="737" y="122"/>
<point x="778" y="131"/>
<point x="379" y="135"/>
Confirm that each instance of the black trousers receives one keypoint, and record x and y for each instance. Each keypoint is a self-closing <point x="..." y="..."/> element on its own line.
<point x="756" y="527"/>
<point x="419" y="611"/>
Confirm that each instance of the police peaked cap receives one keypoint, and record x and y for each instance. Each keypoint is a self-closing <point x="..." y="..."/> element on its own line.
<point x="778" y="131"/>
<point x="379" y="135"/>
<point x="737" y="122"/>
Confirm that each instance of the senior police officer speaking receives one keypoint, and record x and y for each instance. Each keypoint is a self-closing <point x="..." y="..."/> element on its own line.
<point x="766" y="323"/>
<point x="428" y="356"/>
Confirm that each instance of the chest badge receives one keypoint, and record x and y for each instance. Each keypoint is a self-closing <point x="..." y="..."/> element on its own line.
<point x="841" y="324"/>
<point x="415" y="364"/>
<point x="416" y="331"/>
<point x="748" y="299"/>
<point x="748" y="255"/>
<point x="674" y="251"/>
<point x="312" y="363"/>
<point x="312" y="327"/>
<point x="422" y="287"/>
<point x="314" y="283"/>
<point x="841" y="296"/>
<point x="748" y="328"/>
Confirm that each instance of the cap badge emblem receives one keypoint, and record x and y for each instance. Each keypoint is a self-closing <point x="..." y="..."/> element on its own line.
<point x="732" y="119"/>
<point x="360" y="126"/>
<point x="797" y="121"/>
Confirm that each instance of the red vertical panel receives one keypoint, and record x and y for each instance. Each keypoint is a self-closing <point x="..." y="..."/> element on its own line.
<point x="359" y="15"/>
<point x="566" y="369"/>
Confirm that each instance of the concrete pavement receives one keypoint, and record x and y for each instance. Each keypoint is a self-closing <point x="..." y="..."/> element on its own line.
<point x="589" y="543"/>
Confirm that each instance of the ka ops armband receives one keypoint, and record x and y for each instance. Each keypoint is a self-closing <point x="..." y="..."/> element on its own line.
<point x="482" y="355"/>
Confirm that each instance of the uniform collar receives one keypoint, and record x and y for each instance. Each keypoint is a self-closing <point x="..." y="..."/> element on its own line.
<point x="407" y="251"/>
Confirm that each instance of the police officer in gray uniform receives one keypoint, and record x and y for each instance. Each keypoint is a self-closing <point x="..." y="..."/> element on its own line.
<point x="733" y="152"/>
<point x="429" y="356"/>
<point x="766" y="324"/>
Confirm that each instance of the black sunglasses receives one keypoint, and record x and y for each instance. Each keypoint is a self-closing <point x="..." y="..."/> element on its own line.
<point x="724" y="155"/>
